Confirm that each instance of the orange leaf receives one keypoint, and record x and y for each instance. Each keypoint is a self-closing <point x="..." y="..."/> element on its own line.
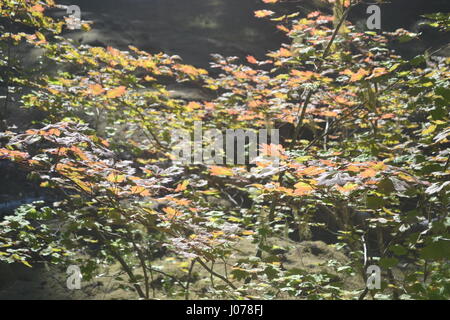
<point x="95" y="89"/>
<point x="252" y="59"/>
<point x="302" y="189"/>
<point x="113" y="51"/>
<point x="377" y="72"/>
<point x="182" y="186"/>
<point x="220" y="171"/>
<point x="356" y="76"/>
<point x="140" y="190"/>
<point x="368" y="173"/>
<point x="263" y="13"/>
<point x="171" y="213"/>
<point x="116" y="92"/>
<point x="193" y="106"/>
<point x="37" y="8"/>
<point x="79" y="153"/>
<point x="54" y="132"/>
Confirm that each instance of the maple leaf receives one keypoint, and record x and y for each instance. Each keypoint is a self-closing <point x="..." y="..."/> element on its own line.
<point x="347" y="188"/>
<point x="283" y="28"/>
<point x="284" y="53"/>
<point x="220" y="171"/>
<point x="252" y="60"/>
<point x="378" y="72"/>
<point x="273" y="150"/>
<point x="302" y="189"/>
<point x="6" y="154"/>
<point x="115" y="178"/>
<point x="190" y="70"/>
<point x="355" y="76"/>
<point x="182" y="186"/>
<point x="113" y="51"/>
<point x="37" y="8"/>
<point x="116" y="92"/>
<point x="311" y="171"/>
<point x="368" y="173"/>
<point x="95" y="89"/>
<point x="79" y="153"/>
<point x="263" y="13"/>
<point x="304" y="75"/>
<point x="193" y="106"/>
<point x="313" y="14"/>
<point x="142" y="191"/>
<point x="172" y="213"/>
<point x="353" y="168"/>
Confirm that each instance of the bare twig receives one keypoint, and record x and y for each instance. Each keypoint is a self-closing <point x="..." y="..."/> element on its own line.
<point x="189" y="278"/>
<point x="221" y="277"/>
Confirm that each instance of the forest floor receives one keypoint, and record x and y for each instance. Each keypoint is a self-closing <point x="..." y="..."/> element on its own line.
<point x="39" y="282"/>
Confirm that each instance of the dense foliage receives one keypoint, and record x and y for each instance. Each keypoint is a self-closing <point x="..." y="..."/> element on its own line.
<point x="365" y="144"/>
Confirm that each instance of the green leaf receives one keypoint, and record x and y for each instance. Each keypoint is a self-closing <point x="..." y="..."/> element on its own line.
<point x="388" y="262"/>
<point x="436" y="250"/>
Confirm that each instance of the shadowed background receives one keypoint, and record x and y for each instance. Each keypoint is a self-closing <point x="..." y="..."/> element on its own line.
<point x="194" y="29"/>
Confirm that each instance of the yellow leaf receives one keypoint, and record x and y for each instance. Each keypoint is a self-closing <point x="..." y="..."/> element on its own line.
<point x="82" y="184"/>
<point x="171" y="212"/>
<point x="348" y="187"/>
<point x="302" y="188"/>
<point x="310" y="171"/>
<point x="40" y="36"/>
<point x="140" y="190"/>
<point x="26" y="263"/>
<point x="115" y="178"/>
<point x="182" y="186"/>
<point x="429" y="130"/>
<point x="192" y="106"/>
<point x="217" y="234"/>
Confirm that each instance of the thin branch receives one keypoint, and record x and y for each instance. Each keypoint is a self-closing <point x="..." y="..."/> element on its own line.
<point x="189" y="278"/>
<point x="305" y="104"/>
<point x="144" y="269"/>
<point x="151" y="269"/>
<point x="204" y="265"/>
<point x="366" y="290"/>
